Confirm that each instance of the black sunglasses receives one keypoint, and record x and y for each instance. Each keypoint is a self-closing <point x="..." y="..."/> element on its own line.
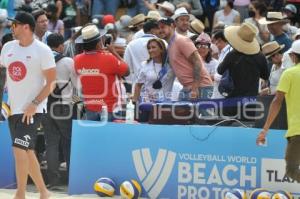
<point x="15" y="23"/>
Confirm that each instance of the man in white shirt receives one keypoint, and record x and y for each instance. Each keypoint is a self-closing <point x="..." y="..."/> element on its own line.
<point x="136" y="51"/>
<point x="58" y="121"/>
<point x="30" y="75"/>
<point x="41" y="29"/>
<point x="182" y="22"/>
<point x="224" y="48"/>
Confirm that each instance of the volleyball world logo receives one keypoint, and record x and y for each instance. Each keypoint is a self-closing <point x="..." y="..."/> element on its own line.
<point x="153" y="175"/>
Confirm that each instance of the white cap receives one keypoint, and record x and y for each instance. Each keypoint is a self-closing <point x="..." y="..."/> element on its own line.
<point x="295" y="47"/>
<point x="123" y="22"/>
<point x="182" y="11"/>
<point x="296" y="34"/>
<point x="109" y="26"/>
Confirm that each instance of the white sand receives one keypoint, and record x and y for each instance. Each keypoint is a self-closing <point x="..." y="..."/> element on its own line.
<point x="9" y="193"/>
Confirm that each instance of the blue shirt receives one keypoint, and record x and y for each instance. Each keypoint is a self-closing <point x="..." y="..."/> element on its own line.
<point x="284" y="39"/>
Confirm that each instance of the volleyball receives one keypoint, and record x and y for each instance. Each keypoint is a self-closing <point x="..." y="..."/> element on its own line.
<point x="236" y="194"/>
<point x="105" y="187"/>
<point x="282" y="195"/>
<point x="260" y="194"/>
<point x="5" y="111"/>
<point x="130" y="189"/>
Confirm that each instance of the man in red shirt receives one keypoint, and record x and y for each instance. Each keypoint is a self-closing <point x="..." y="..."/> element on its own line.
<point x="99" y="71"/>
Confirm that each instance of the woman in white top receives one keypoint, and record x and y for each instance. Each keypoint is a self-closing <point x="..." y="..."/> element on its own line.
<point x="155" y="79"/>
<point x="227" y="16"/>
<point x="55" y="25"/>
<point x="203" y="43"/>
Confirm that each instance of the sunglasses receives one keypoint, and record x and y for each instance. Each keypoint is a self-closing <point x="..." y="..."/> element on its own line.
<point x="272" y="56"/>
<point x="202" y="46"/>
<point x="15" y="23"/>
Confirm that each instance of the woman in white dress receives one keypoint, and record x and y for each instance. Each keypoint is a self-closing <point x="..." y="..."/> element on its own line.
<point x="155" y="79"/>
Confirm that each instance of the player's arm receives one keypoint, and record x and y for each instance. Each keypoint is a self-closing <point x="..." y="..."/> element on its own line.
<point x="50" y="76"/>
<point x="195" y="59"/>
<point x="273" y="112"/>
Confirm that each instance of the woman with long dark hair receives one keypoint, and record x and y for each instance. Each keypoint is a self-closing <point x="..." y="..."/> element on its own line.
<point x="203" y="43"/>
<point x="55" y="25"/>
<point x="155" y="79"/>
<point x="257" y="11"/>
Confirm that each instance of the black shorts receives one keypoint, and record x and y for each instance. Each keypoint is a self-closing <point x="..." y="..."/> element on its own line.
<point x="23" y="135"/>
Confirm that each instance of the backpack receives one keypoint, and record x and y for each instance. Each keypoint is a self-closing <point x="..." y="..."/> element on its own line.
<point x="55" y="96"/>
<point x="226" y="85"/>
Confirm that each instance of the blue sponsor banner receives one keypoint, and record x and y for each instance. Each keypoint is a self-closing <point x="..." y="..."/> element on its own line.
<point x="7" y="165"/>
<point x="173" y="161"/>
<point x="5" y="97"/>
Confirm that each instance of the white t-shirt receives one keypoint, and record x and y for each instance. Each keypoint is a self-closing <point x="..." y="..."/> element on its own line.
<point x="212" y="66"/>
<point x="148" y="74"/>
<point x="177" y="87"/>
<point x="228" y="19"/>
<point x="25" y="78"/>
<point x="138" y="34"/>
<point x="135" y="53"/>
<point x="286" y="60"/>
<point x="44" y="38"/>
<point x="274" y="78"/>
<point x="224" y="52"/>
<point x="64" y="72"/>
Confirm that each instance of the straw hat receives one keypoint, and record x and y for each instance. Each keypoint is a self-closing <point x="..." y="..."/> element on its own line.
<point x="136" y="20"/>
<point x="90" y="33"/>
<point x="273" y="17"/>
<point x="196" y="26"/>
<point x="167" y="6"/>
<point x="271" y="48"/>
<point x="243" y="38"/>
<point x="153" y="14"/>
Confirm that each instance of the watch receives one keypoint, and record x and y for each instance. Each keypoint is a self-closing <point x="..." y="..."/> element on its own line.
<point x="35" y="102"/>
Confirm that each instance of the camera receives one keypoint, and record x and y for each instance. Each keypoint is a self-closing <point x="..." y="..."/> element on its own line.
<point x="157" y="84"/>
<point x="108" y="39"/>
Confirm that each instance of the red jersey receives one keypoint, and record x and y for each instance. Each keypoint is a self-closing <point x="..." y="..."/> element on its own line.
<point x="99" y="72"/>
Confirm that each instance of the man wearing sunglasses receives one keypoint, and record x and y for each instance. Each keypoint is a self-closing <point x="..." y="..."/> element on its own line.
<point x="30" y="78"/>
<point x="273" y="52"/>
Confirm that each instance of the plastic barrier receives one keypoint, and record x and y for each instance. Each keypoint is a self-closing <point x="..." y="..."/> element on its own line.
<point x="7" y="165"/>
